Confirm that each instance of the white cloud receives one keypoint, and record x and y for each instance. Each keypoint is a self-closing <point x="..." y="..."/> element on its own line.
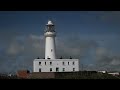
<point x="115" y="61"/>
<point x="106" y="60"/>
<point x="35" y="37"/>
<point x="14" y="48"/>
<point x="100" y="51"/>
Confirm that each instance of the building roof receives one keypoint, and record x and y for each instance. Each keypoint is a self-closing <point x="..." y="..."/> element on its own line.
<point x="56" y="59"/>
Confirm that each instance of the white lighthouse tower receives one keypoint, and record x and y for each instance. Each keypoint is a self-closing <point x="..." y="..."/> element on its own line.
<point x="51" y="63"/>
<point x="50" y="49"/>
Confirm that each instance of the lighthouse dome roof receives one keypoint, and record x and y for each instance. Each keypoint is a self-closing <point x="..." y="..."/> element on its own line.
<point x="50" y="22"/>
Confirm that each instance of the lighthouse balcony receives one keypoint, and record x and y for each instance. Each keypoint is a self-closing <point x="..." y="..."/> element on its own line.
<point x="50" y="34"/>
<point x="49" y="30"/>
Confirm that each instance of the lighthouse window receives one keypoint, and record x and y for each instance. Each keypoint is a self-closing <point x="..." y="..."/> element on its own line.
<point x="39" y="69"/>
<point x="50" y="69"/>
<point x="73" y="63"/>
<point x="57" y="69"/>
<point x="63" y="69"/>
<point x="63" y="63"/>
<point x="68" y="63"/>
<point x="39" y="63"/>
<point x="50" y="63"/>
<point x="45" y="63"/>
<point x="73" y="69"/>
<point x="51" y="50"/>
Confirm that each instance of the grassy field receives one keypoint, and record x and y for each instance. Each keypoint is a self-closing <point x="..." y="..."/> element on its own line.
<point x="85" y="75"/>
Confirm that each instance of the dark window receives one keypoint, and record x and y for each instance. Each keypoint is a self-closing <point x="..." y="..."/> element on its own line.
<point x="68" y="63"/>
<point x="48" y="57"/>
<point x="63" y="69"/>
<point x="70" y="57"/>
<point x="50" y="69"/>
<point x="39" y="63"/>
<point x="50" y="63"/>
<point x="51" y="50"/>
<point x="61" y="57"/>
<point x="28" y="71"/>
<point x="45" y="63"/>
<point x="73" y="69"/>
<point x="39" y="69"/>
<point x="57" y="69"/>
<point x="38" y="58"/>
<point x="73" y="63"/>
<point x="63" y="63"/>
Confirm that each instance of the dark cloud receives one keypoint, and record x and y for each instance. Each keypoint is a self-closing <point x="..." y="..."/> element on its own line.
<point x="112" y="16"/>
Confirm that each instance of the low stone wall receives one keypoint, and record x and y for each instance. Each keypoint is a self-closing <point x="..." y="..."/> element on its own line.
<point x="42" y="75"/>
<point x="23" y="74"/>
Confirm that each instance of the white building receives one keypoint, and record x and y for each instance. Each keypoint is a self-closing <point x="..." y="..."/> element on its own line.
<point x="56" y="65"/>
<point x="50" y="63"/>
<point x="102" y="71"/>
<point x="114" y="73"/>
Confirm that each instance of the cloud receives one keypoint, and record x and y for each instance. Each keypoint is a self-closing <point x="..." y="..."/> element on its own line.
<point x="110" y="17"/>
<point x="115" y="61"/>
<point x="21" y="51"/>
<point x="14" y="48"/>
<point x="34" y="45"/>
<point x="73" y="46"/>
<point x="106" y="60"/>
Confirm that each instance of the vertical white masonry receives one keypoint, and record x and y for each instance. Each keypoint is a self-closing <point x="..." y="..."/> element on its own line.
<point x="50" y="34"/>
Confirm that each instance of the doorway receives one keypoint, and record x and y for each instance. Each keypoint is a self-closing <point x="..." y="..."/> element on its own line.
<point x="57" y="69"/>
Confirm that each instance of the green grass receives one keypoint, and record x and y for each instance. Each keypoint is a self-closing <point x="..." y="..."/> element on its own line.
<point x="84" y="75"/>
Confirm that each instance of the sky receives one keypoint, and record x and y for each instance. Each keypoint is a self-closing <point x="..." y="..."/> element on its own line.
<point x="93" y="37"/>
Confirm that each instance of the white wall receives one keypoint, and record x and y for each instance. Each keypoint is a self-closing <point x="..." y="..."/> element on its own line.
<point x="55" y="63"/>
<point x="50" y="49"/>
<point x="102" y="71"/>
<point x="116" y="73"/>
